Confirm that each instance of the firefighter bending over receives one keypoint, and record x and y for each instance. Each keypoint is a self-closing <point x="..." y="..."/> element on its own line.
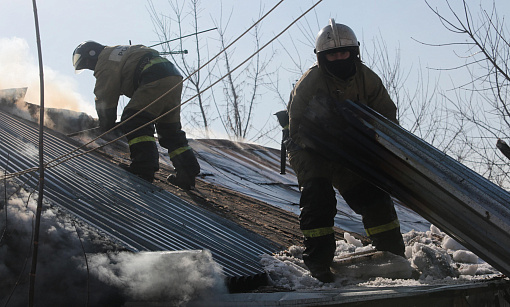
<point x="340" y="74"/>
<point x="141" y="74"/>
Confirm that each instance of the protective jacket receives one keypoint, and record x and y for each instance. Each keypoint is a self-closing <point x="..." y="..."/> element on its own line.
<point x="120" y="70"/>
<point x="365" y="87"/>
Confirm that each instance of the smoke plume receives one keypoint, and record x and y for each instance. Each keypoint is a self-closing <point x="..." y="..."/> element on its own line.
<point x="80" y="266"/>
<point x="20" y="69"/>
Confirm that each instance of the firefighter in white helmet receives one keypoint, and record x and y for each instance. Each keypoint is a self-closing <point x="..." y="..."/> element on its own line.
<point x="141" y="74"/>
<point x="340" y="74"/>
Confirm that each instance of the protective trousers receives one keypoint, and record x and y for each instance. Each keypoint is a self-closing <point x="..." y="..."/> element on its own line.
<point x="318" y="209"/>
<point x="379" y="217"/>
<point x="142" y="144"/>
<point x="316" y="220"/>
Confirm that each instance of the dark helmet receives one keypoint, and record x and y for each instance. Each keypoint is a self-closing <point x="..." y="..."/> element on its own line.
<point x="86" y="54"/>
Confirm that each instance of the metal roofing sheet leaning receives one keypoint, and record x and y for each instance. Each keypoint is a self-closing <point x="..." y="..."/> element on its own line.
<point x="257" y="174"/>
<point x="136" y="213"/>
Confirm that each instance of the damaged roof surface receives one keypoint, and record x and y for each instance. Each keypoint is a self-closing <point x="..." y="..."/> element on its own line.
<point x="254" y="170"/>
<point x="136" y="213"/>
<point x="144" y="217"/>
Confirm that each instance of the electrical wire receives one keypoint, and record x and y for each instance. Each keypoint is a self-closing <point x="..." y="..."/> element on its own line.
<point x="55" y="161"/>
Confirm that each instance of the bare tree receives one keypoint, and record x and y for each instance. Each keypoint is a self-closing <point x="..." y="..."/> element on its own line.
<point x="480" y="102"/>
<point x="291" y="50"/>
<point x="241" y="90"/>
<point x="421" y="104"/>
<point x="183" y="60"/>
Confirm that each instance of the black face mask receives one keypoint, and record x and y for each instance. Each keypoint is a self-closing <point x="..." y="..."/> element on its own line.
<point x="342" y="69"/>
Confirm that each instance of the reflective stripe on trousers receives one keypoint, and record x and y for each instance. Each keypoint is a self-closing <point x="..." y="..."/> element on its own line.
<point x="143" y="138"/>
<point x="318" y="232"/>
<point x="382" y="228"/>
<point x="178" y="151"/>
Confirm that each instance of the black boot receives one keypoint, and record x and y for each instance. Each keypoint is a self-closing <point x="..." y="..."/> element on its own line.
<point x="144" y="160"/>
<point x="324" y="275"/>
<point x="318" y="256"/>
<point x="186" y="168"/>
<point x="390" y="241"/>
<point x="147" y="176"/>
<point x="185" y="163"/>
<point x="182" y="182"/>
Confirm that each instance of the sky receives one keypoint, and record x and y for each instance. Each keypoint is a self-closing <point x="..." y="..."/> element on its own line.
<point x="65" y="24"/>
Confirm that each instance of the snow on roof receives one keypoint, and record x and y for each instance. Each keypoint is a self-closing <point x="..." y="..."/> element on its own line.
<point x="432" y="258"/>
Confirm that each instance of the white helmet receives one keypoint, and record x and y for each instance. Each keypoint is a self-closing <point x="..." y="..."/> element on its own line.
<point x="335" y="35"/>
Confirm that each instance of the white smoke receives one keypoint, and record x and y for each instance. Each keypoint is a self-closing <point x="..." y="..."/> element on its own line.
<point x="20" y="69"/>
<point x="59" y="279"/>
<point x="115" y="276"/>
<point x="171" y="277"/>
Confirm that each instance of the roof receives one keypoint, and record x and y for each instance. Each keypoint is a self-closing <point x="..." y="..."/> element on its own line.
<point x="134" y="212"/>
<point x="146" y="217"/>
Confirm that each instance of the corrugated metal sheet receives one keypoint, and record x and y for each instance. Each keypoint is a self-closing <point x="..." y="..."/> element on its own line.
<point x="254" y="170"/>
<point x="136" y="213"/>
<point x="459" y="201"/>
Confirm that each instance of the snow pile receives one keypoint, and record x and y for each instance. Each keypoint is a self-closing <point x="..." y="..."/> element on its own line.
<point x="78" y="266"/>
<point x="432" y="257"/>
